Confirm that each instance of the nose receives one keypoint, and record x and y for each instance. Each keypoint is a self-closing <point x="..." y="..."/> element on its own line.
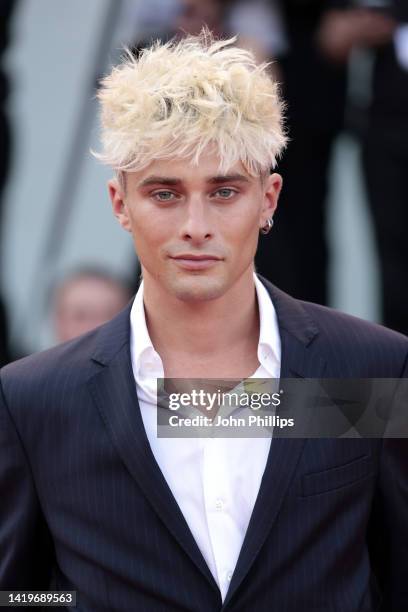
<point x="196" y="227"/>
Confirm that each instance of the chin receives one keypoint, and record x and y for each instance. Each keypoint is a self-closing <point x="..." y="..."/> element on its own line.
<point x="197" y="288"/>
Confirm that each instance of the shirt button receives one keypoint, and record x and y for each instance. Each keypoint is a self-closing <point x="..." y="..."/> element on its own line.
<point x="219" y="504"/>
<point x="229" y="576"/>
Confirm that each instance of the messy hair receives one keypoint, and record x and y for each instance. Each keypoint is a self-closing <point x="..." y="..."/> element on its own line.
<point x="176" y="99"/>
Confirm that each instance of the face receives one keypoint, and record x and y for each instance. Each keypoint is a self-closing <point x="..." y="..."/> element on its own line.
<point x="194" y="14"/>
<point x="84" y="303"/>
<point x="195" y="231"/>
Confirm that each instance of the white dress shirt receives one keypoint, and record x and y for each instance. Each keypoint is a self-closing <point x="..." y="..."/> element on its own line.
<point x="215" y="481"/>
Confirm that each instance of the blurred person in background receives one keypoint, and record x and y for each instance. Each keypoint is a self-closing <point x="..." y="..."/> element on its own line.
<point x="194" y="14"/>
<point x="260" y="27"/>
<point x="6" y="10"/>
<point x="86" y="299"/>
<point x="183" y="17"/>
<point x="382" y="28"/>
<point x="258" y="23"/>
<point x="385" y="162"/>
<point x="320" y="36"/>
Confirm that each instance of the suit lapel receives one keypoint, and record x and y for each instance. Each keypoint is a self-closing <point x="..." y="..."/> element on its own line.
<point x="114" y="392"/>
<point x="299" y="359"/>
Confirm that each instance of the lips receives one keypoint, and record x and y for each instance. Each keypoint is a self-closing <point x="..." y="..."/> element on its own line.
<point x="190" y="261"/>
<point x="190" y="256"/>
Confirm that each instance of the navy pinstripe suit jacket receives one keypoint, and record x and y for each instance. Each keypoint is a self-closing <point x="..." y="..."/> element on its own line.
<point x="82" y="496"/>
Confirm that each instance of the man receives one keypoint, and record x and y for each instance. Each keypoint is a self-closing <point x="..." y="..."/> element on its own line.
<point x="85" y="299"/>
<point x="132" y="521"/>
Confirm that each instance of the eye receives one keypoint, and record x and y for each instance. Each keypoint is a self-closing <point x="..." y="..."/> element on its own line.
<point x="225" y="193"/>
<point x="164" y="196"/>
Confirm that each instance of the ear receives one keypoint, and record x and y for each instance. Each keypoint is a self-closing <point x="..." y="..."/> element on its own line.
<point x="119" y="206"/>
<point x="271" y="190"/>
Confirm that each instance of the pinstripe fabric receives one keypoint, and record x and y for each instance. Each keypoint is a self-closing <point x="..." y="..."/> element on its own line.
<point x="80" y="489"/>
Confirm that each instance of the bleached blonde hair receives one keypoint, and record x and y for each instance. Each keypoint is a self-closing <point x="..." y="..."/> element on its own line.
<point x="176" y="99"/>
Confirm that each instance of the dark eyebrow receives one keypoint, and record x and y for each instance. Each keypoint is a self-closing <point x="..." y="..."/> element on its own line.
<point x="160" y="180"/>
<point x="228" y="178"/>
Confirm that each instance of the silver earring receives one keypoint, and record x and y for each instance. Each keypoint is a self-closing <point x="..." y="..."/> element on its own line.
<point x="265" y="229"/>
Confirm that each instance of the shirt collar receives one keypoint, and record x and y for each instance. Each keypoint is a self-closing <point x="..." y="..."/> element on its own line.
<point x="141" y="347"/>
<point x="269" y="345"/>
<point x="143" y="352"/>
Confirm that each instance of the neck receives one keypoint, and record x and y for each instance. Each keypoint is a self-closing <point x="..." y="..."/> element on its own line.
<point x="206" y="328"/>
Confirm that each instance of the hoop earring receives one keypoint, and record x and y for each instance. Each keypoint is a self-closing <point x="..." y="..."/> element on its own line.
<point x="265" y="229"/>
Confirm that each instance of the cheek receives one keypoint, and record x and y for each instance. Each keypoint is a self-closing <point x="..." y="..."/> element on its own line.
<point x="250" y="235"/>
<point x="149" y="233"/>
<point x="244" y="229"/>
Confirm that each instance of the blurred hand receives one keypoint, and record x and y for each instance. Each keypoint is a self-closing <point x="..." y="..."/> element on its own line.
<point x="340" y="31"/>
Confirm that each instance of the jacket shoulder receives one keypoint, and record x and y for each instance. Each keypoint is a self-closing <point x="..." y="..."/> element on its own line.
<point x="70" y="362"/>
<point x="379" y="351"/>
<point x="58" y="364"/>
<point x="350" y="344"/>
